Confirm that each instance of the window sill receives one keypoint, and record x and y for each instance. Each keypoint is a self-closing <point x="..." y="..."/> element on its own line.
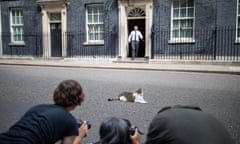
<point x="237" y="41"/>
<point x="179" y="41"/>
<point x="93" y="43"/>
<point x="17" y="44"/>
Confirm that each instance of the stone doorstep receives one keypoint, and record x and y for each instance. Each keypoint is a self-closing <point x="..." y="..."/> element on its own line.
<point x="129" y="60"/>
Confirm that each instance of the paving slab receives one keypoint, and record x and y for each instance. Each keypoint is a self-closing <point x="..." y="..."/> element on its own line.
<point x="207" y="67"/>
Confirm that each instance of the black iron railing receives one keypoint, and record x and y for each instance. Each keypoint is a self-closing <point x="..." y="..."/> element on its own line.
<point x="212" y="44"/>
<point x="220" y="43"/>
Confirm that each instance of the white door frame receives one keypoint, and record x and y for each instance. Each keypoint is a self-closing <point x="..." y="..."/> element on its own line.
<point x="53" y="7"/>
<point x="124" y="7"/>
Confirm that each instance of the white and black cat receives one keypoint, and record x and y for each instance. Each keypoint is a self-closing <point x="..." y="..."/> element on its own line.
<point x="136" y="96"/>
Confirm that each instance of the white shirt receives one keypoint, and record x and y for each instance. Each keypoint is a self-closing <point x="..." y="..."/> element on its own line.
<point x="135" y="35"/>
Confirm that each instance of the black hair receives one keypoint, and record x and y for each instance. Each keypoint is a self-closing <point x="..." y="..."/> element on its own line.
<point x="115" y="131"/>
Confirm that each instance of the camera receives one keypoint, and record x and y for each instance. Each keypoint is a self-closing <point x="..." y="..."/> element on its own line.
<point x="131" y="131"/>
<point x="80" y="122"/>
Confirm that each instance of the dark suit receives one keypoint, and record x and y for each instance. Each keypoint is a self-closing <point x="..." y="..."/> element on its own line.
<point x="186" y="125"/>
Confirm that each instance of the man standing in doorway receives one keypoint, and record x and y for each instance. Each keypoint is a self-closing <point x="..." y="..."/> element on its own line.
<point x="134" y="38"/>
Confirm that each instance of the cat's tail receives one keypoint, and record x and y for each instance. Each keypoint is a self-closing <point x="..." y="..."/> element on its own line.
<point x="113" y="99"/>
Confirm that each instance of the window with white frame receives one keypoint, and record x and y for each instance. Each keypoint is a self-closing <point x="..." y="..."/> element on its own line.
<point x="95" y="23"/>
<point x="238" y="22"/>
<point x="16" y="20"/>
<point x="182" y="21"/>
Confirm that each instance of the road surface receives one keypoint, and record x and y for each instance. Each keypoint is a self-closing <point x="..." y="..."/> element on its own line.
<point x="22" y="87"/>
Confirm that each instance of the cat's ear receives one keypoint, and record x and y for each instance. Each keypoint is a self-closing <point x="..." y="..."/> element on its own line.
<point x="139" y="91"/>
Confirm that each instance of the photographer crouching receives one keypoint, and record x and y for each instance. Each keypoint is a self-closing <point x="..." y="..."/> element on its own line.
<point x="49" y="123"/>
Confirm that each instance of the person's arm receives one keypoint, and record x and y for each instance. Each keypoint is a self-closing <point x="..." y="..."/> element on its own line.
<point x="136" y="137"/>
<point x="140" y="35"/>
<point x="82" y="132"/>
<point x="130" y="37"/>
<point x="68" y="140"/>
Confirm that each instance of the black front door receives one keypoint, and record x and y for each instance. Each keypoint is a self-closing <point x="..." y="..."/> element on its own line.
<point x="141" y="27"/>
<point x="56" y="40"/>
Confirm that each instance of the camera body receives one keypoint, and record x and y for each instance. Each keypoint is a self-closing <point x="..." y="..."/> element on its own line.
<point x="131" y="131"/>
<point x="80" y="122"/>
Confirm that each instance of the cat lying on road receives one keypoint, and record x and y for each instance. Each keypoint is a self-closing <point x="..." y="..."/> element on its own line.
<point x="136" y="96"/>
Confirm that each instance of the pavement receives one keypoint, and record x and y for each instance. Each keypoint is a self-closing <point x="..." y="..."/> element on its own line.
<point x="138" y="64"/>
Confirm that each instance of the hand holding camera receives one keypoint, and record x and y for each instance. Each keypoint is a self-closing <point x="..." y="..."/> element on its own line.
<point x="135" y="135"/>
<point x="80" y="122"/>
<point x="132" y="131"/>
<point x="83" y="127"/>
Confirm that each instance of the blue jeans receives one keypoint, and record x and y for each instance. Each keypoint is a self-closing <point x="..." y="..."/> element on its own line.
<point x="135" y="47"/>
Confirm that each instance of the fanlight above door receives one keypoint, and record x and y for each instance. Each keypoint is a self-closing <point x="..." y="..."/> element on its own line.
<point x="136" y="12"/>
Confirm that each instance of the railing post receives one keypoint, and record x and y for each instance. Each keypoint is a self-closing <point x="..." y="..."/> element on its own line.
<point x="36" y="46"/>
<point x="152" y="38"/>
<point x="0" y="32"/>
<point x="215" y="43"/>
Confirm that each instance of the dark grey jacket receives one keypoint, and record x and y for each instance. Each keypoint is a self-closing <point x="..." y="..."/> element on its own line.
<point x="186" y="125"/>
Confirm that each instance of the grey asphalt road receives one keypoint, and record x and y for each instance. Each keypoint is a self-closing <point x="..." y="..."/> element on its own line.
<point x="22" y="87"/>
